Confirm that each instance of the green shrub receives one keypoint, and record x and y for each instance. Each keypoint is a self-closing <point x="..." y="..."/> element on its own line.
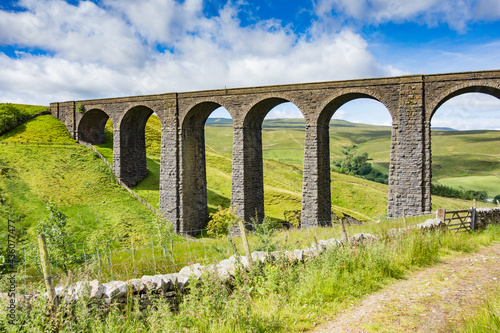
<point x="60" y="242"/>
<point x="496" y="199"/>
<point x="9" y="116"/>
<point x="356" y="164"/>
<point x="221" y="221"/>
<point x="80" y="108"/>
<point x="449" y="192"/>
<point x="292" y="217"/>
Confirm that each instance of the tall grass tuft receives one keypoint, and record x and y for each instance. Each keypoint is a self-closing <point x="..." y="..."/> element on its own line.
<point x="485" y="319"/>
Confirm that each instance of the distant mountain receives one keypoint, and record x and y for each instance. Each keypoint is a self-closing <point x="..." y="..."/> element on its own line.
<point x="219" y="121"/>
<point x="444" y="129"/>
<point x="289" y="122"/>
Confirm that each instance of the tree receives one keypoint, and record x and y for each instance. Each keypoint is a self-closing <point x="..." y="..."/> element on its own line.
<point x="9" y="116"/>
<point x="358" y="165"/>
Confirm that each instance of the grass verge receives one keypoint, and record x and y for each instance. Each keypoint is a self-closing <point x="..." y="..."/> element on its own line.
<point x="278" y="296"/>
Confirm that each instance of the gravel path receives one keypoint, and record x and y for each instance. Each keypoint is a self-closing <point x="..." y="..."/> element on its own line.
<point x="430" y="300"/>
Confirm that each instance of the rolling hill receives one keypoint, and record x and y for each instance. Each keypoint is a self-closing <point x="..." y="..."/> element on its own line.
<point x="39" y="161"/>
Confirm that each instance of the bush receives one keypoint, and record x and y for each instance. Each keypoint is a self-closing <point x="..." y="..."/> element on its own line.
<point x="9" y="116"/>
<point x="358" y="165"/>
<point x="496" y="199"/>
<point x="292" y="217"/>
<point x="80" y="108"/>
<point x="221" y="221"/>
<point x="60" y="243"/>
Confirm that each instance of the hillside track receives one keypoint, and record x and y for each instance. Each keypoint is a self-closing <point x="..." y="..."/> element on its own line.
<point x="433" y="299"/>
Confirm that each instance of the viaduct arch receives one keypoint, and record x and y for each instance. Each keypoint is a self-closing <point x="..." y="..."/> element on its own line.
<point x="411" y="101"/>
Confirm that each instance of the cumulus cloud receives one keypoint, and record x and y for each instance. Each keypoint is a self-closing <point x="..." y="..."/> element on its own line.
<point x="161" y="21"/>
<point x="285" y="110"/>
<point x="83" y="33"/>
<point x="110" y="49"/>
<point x="340" y="114"/>
<point x="468" y="112"/>
<point x="457" y="14"/>
<point x="114" y="49"/>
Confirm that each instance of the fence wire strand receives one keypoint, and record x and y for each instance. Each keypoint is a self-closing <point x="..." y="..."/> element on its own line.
<point x="125" y="258"/>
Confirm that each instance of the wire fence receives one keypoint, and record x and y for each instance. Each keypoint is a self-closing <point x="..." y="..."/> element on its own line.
<point x="35" y="143"/>
<point x="141" y="200"/>
<point x="127" y="257"/>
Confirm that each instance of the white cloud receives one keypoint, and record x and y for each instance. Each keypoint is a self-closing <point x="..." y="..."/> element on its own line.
<point x="457" y="14"/>
<point x="83" y="33"/>
<point x="473" y="102"/>
<point x="41" y="80"/>
<point x="161" y="21"/>
<point x="340" y="114"/>
<point x="468" y="112"/>
<point x="110" y="51"/>
<point x="285" y="110"/>
<point x="479" y="123"/>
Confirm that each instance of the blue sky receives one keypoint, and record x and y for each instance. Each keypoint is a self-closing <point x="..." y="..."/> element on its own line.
<point x="55" y="50"/>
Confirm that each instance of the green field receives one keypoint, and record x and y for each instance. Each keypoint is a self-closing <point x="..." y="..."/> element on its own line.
<point x="40" y="162"/>
<point x="461" y="159"/>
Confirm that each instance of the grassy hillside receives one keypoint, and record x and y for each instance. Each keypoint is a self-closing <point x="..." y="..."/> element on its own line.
<point x="283" y="151"/>
<point x="461" y="159"/>
<point x="49" y="165"/>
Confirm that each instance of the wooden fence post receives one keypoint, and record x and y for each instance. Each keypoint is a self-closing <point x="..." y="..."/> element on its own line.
<point x="47" y="275"/>
<point x="345" y="237"/>
<point x="404" y="220"/>
<point x="473" y="218"/>
<point x="245" y="243"/>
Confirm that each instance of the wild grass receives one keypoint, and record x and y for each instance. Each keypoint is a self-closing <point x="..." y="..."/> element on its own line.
<point x="67" y="173"/>
<point x="485" y="318"/>
<point x="132" y="257"/>
<point x="278" y="296"/>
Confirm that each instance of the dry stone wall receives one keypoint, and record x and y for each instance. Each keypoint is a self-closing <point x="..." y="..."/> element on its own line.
<point x="172" y="286"/>
<point x="486" y="216"/>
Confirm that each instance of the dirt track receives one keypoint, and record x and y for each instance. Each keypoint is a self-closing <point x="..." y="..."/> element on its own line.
<point x="429" y="300"/>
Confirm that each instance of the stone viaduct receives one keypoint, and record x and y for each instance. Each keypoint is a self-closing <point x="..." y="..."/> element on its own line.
<point x="411" y="101"/>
